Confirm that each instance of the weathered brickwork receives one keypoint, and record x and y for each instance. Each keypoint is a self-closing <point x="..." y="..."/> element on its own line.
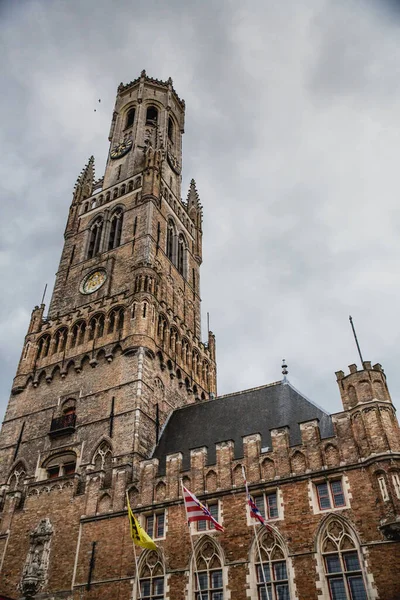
<point x="99" y="378"/>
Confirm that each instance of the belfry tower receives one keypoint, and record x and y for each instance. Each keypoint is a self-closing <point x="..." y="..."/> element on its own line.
<point x="120" y="347"/>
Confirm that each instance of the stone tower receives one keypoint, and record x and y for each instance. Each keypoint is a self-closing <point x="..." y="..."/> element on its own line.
<point x="120" y="347"/>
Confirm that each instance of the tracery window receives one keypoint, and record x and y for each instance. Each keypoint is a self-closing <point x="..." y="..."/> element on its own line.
<point x="151" y="573"/>
<point x="78" y="334"/>
<point x="271" y="569"/>
<point x="96" y="326"/>
<point x="102" y="460"/>
<point x="342" y="563"/>
<point x="114" y="239"/>
<point x="60" y="340"/>
<point x="43" y="347"/>
<point x="116" y="320"/>
<point x="95" y="234"/>
<point x="209" y="575"/>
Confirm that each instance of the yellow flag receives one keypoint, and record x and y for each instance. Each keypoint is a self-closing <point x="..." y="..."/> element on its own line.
<point x="138" y="534"/>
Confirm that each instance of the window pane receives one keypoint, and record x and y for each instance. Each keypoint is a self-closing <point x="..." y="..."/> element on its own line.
<point x="267" y="574"/>
<point x="259" y="502"/>
<point x="282" y="591"/>
<point x="217" y="596"/>
<point x="201" y="525"/>
<point x="160" y="525"/>
<point x="351" y="561"/>
<point x="263" y="594"/>
<point x="272" y="506"/>
<point x="332" y="564"/>
<point x="357" y="588"/>
<point x="150" y="525"/>
<point x="202" y="596"/>
<point x="158" y="586"/>
<point x="145" y="588"/>
<point x="216" y="579"/>
<point x="280" y="571"/>
<point x="203" y="579"/>
<point x="337" y="491"/>
<point x="323" y="496"/>
<point x="213" y="508"/>
<point x="337" y="589"/>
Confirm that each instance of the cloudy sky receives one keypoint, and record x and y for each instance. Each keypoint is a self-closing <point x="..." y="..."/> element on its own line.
<point x="292" y="135"/>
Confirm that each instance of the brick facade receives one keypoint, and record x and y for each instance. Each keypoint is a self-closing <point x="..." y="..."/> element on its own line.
<point x="96" y="384"/>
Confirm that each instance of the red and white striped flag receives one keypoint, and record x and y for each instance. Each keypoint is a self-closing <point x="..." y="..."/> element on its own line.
<point x="196" y="511"/>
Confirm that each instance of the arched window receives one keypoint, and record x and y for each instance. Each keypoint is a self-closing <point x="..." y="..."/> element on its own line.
<point x="209" y="574"/>
<point x="43" y="347"/>
<point x="181" y="254"/>
<point x="342" y="562"/>
<point x="116" y="228"/>
<point x="185" y="351"/>
<point x="195" y="363"/>
<point x="130" y="117"/>
<point x="60" y="465"/>
<point x="116" y="320"/>
<point x="171" y="236"/>
<point x="96" y="326"/>
<point x="102" y="460"/>
<point x="108" y="196"/>
<point x="17" y="477"/>
<point x="271" y="568"/>
<point x="60" y="339"/>
<point x="162" y="328"/>
<point x="151" y="116"/>
<point x="151" y="575"/>
<point x="130" y="186"/>
<point x="170" y="129"/>
<point x="96" y="231"/>
<point x="78" y="334"/>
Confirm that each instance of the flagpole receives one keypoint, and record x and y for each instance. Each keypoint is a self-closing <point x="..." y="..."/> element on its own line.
<point x="256" y="536"/>
<point x="134" y="554"/>
<point x="191" y="541"/>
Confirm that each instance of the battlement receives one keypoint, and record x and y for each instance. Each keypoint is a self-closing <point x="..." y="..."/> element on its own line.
<point x="364" y="385"/>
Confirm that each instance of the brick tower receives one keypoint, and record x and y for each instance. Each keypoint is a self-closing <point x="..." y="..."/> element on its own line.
<point x="121" y="345"/>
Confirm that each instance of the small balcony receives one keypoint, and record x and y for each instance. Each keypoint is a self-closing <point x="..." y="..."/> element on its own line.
<point x="64" y="425"/>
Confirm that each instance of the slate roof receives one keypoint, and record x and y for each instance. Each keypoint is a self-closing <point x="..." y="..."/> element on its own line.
<point x="233" y="416"/>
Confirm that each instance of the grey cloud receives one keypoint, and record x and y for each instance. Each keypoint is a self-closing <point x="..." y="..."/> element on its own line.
<point x="292" y="134"/>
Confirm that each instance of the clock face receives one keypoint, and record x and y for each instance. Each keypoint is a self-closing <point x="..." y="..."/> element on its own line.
<point x="92" y="282"/>
<point x="120" y="149"/>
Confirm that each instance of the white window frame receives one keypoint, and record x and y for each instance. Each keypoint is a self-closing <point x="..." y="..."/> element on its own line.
<point x="315" y="497"/>
<point x="268" y="519"/>
<point x="155" y="514"/>
<point x="396" y="483"/>
<point x="383" y="488"/>
<point x="209" y="529"/>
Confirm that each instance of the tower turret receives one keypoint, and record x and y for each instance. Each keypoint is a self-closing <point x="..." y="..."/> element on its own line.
<point x="366" y="397"/>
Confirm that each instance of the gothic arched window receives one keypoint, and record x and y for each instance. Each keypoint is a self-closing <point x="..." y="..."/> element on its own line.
<point x="96" y="326"/>
<point x="271" y="568"/>
<point x="151" y="116"/>
<point x="342" y="561"/>
<point x="171" y="236"/>
<point x="60" y="465"/>
<point x="78" y="334"/>
<point x="95" y="234"/>
<point x="102" y="460"/>
<point x="181" y="254"/>
<point x="151" y="575"/>
<point x="60" y="340"/>
<point x="43" y="346"/>
<point x="130" y="117"/>
<point x="209" y="575"/>
<point x="116" y="320"/>
<point x="116" y="228"/>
